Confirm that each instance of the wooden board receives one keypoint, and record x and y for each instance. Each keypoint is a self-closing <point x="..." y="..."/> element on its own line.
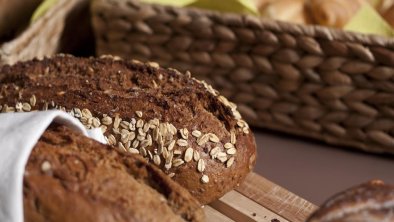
<point x="258" y="199"/>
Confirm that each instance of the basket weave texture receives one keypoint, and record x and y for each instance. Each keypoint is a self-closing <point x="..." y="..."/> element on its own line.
<point x="41" y="38"/>
<point x="310" y="81"/>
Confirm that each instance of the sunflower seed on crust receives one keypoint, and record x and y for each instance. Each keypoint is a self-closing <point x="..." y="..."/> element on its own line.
<point x="196" y="133"/>
<point x="213" y="153"/>
<point x="156" y="160"/>
<point x="106" y="120"/>
<point x="46" y="166"/>
<point x="134" y="151"/>
<point x="127" y="144"/>
<point x="230" y="162"/>
<point x="203" y="139"/>
<point x="232" y="151"/>
<point x="111" y="139"/>
<point x="168" y="166"/>
<point x="96" y="122"/>
<point x="26" y="107"/>
<point x="171" y="145"/>
<point x="177" y="162"/>
<point x="86" y="113"/>
<point x="228" y="145"/>
<point x="213" y="138"/>
<point x="233" y="138"/>
<point x="143" y="151"/>
<point x="138" y="113"/>
<point x="117" y="121"/>
<point x="182" y="142"/>
<point x="103" y="128"/>
<point x="222" y="156"/>
<point x="184" y="133"/>
<point x="205" y="179"/>
<point x="33" y="100"/>
<point x="196" y="155"/>
<point x="201" y="165"/>
<point x="18" y="107"/>
<point x="124" y="124"/>
<point x="188" y="155"/>
<point x="140" y="123"/>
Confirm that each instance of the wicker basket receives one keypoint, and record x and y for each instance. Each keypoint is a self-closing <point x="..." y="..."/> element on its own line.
<point x="310" y="81"/>
<point x="40" y="39"/>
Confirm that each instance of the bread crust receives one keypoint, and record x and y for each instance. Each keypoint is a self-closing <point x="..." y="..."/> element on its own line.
<point x="372" y="201"/>
<point x="70" y="177"/>
<point x="162" y="109"/>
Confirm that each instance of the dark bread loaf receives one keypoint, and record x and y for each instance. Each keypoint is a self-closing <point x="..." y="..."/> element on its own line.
<point x="181" y="124"/>
<point x="370" y="202"/>
<point x="70" y="177"/>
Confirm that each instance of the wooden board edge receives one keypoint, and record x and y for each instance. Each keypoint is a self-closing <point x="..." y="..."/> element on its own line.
<point x="275" y="198"/>
<point x="212" y="215"/>
<point x="240" y="208"/>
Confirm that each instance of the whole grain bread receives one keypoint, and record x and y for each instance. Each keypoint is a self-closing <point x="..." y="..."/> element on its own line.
<point x="369" y="202"/>
<point x="195" y="135"/>
<point x="70" y="177"/>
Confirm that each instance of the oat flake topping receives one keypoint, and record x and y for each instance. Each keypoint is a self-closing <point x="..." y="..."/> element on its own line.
<point x="136" y="135"/>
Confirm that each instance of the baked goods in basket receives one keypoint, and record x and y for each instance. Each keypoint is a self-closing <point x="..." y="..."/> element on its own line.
<point x="70" y="177"/>
<point x="369" y="202"/>
<point x="182" y="125"/>
<point x="333" y="13"/>
<point x="284" y="10"/>
<point x="389" y="15"/>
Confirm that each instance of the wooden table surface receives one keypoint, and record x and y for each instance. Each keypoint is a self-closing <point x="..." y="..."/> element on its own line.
<point x="314" y="170"/>
<point x="258" y="199"/>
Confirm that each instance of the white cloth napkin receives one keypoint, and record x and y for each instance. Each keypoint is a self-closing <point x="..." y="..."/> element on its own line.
<point x="19" y="132"/>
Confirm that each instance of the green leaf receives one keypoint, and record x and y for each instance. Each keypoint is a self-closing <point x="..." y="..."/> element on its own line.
<point x="41" y="9"/>
<point x="367" y="20"/>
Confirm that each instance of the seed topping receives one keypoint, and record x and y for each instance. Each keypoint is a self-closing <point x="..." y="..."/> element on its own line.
<point x="230" y="162"/>
<point x="138" y="113"/>
<point x="205" y="179"/>
<point x="46" y="166"/>
<point x="188" y="155"/>
<point x="156" y="141"/>
<point x="196" y="133"/>
<point x="201" y="165"/>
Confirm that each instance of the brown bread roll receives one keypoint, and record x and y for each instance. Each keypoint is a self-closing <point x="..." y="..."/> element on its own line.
<point x="383" y="5"/>
<point x="178" y="123"/>
<point x="70" y="177"/>
<point x="370" y="202"/>
<point x="333" y="13"/>
<point x="285" y="10"/>
<point x="261" y="3"/>
<point x="389" y="15"/>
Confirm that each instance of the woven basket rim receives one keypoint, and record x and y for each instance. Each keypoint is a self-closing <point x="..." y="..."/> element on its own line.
<point x="35" y="27"/>
<point x="314" y="31"/>
<point x="311" y="81"/>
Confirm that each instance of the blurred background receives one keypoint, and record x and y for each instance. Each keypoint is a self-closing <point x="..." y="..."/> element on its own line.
<point x="314" y="170"/>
